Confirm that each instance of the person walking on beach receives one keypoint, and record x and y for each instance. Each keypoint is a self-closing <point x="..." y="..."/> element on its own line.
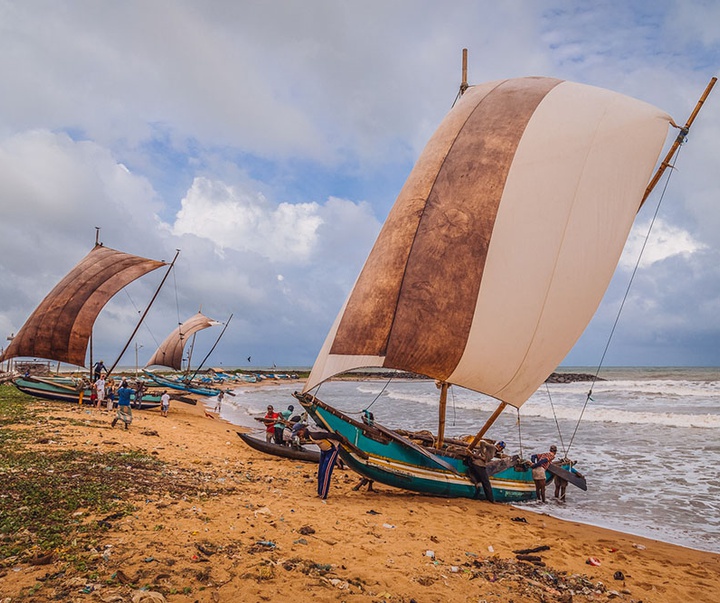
<point x="540" y="463"/>
<point x="269" y="419"/>
<point x="100" y="389"/>
<point x="218" y="403"/>
<point x="139" y="392"/>
<point x="124" y="413"/>
<point x="329" y="444"/>
<point x="164" y="403"/>
<point x="110" y="393"/>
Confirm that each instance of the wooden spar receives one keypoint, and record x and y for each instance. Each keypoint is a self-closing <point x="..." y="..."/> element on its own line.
<point x="137" y="327"/>
<point x="487" y="425"/>
<point x="211" y="349"/>
<point x="464" y="83"/>
<point x="678" y="141"/>
<point x="441" y="415"/>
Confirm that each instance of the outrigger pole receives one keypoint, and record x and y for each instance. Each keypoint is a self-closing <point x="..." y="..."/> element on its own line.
<point x="137" y="327"/>
<point x="678" y="141"/>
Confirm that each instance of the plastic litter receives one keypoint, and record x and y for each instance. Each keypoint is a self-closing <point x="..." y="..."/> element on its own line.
<point x="593" y="561"/>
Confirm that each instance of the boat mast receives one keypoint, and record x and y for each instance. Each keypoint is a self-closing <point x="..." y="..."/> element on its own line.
<point x="441" y="414"/>
<point x="97" y="242"/>
<point x="464" y="84"/>
<point x="678" y="141"/>
<point x="137" y="327"/>
<point x="444" y="385"/>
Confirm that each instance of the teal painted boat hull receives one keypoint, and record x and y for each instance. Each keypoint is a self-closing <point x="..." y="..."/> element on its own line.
<point x="64" y="391"/>
<point x="373" y="454"/>
<point x="178" y="385"/>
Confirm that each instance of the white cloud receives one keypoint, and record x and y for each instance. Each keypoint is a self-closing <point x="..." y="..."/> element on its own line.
<point x="664" y="241"/>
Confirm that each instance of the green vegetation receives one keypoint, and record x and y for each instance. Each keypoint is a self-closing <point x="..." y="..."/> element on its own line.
<point x="60" y="501"/>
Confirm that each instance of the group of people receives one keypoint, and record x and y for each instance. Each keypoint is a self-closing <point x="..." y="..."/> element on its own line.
<point x="104" y="390"/>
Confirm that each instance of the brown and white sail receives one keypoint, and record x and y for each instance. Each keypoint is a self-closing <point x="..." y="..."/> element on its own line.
<point x="170" y="351"/>
<point x="60" y="327"/>
<point x="504" y="238"/>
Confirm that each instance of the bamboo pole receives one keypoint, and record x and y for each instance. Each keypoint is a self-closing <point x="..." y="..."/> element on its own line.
<point x="464" y="84"/>
<point x="678" y="141"/>
<point x="441" y="415"/>
<point x="488" y="423"/>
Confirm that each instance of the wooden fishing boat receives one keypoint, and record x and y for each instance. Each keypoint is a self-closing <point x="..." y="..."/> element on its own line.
<point x="181" y="385"/>
<point x="297" y="454"/>
<point x="170" y="354"/>
<point x="60" y="328"/>
<point x="51" y="389"/>
<point x="490" y="265"/>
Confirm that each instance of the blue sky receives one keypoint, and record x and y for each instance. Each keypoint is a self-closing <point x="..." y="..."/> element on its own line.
<point x="268" y="141"/>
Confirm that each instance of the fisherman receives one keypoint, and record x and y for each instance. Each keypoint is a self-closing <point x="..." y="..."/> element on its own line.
<point x="269" y="419"/>
<point x="539" y="466"/>
<point x="282" y="420"/>
<point x="139" y="392"/>
<point x="477" y="465"/>
<point x="561" y="483"/>
<point x="98" y="369"/>
<point x="124" y="413"/>
<point x="329" y="444"/>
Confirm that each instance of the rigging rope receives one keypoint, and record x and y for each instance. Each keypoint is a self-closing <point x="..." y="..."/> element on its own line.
<point x="622" y="304"/>
<point x="519" y="432"/>
<point x="557" y="424"/>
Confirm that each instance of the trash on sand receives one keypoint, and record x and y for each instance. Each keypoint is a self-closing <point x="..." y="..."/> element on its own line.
<point x="593" y="561"/>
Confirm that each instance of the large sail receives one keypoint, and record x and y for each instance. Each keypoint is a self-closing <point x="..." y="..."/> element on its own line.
<point x="503" y="240"/>
<point x="60" y="327"/>
<point x="170" y="351"/>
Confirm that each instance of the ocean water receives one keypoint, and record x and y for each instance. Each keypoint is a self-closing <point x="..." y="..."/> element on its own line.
<point x="648" y="441"/>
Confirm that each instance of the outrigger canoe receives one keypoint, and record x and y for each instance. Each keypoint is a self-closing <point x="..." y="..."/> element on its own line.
<point x="302" y="454"/>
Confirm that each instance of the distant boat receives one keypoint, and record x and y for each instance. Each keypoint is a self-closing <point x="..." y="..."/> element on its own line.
<point x="61" y="326"/>
<point x="170" y="354"/>
<point x="490" y="265"/>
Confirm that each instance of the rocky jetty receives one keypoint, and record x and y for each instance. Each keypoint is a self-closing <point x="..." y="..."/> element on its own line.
<point x="571" y="377"/>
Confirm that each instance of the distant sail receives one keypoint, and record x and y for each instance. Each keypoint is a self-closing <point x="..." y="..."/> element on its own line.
<point x="503" y="240"/>
<point x="170" y="351"/>
<point x="60" y="327"/>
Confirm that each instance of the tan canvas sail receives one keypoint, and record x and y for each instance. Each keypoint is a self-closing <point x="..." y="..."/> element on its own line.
<point x="170" y="351"/>
<point x="503" y="240"/>
<point x="60" y="327"/>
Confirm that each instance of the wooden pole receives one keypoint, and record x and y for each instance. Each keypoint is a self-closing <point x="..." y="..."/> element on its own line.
<point x="488" y="423"/>
<point x="678" y="141"/>
<point x="464" y="84"/>
<point x="441" y="414"/>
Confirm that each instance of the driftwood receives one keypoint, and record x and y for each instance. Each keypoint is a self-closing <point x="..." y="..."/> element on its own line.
<point x="537" y="549"/>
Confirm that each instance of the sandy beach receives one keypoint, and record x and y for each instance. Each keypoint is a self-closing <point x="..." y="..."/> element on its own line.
<point x="195" y="515"/>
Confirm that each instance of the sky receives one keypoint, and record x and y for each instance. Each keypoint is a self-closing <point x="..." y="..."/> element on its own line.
<point x="268" y="141"/>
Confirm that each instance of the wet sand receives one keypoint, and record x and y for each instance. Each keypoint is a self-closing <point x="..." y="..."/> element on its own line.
<point x="222" y="522"/>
